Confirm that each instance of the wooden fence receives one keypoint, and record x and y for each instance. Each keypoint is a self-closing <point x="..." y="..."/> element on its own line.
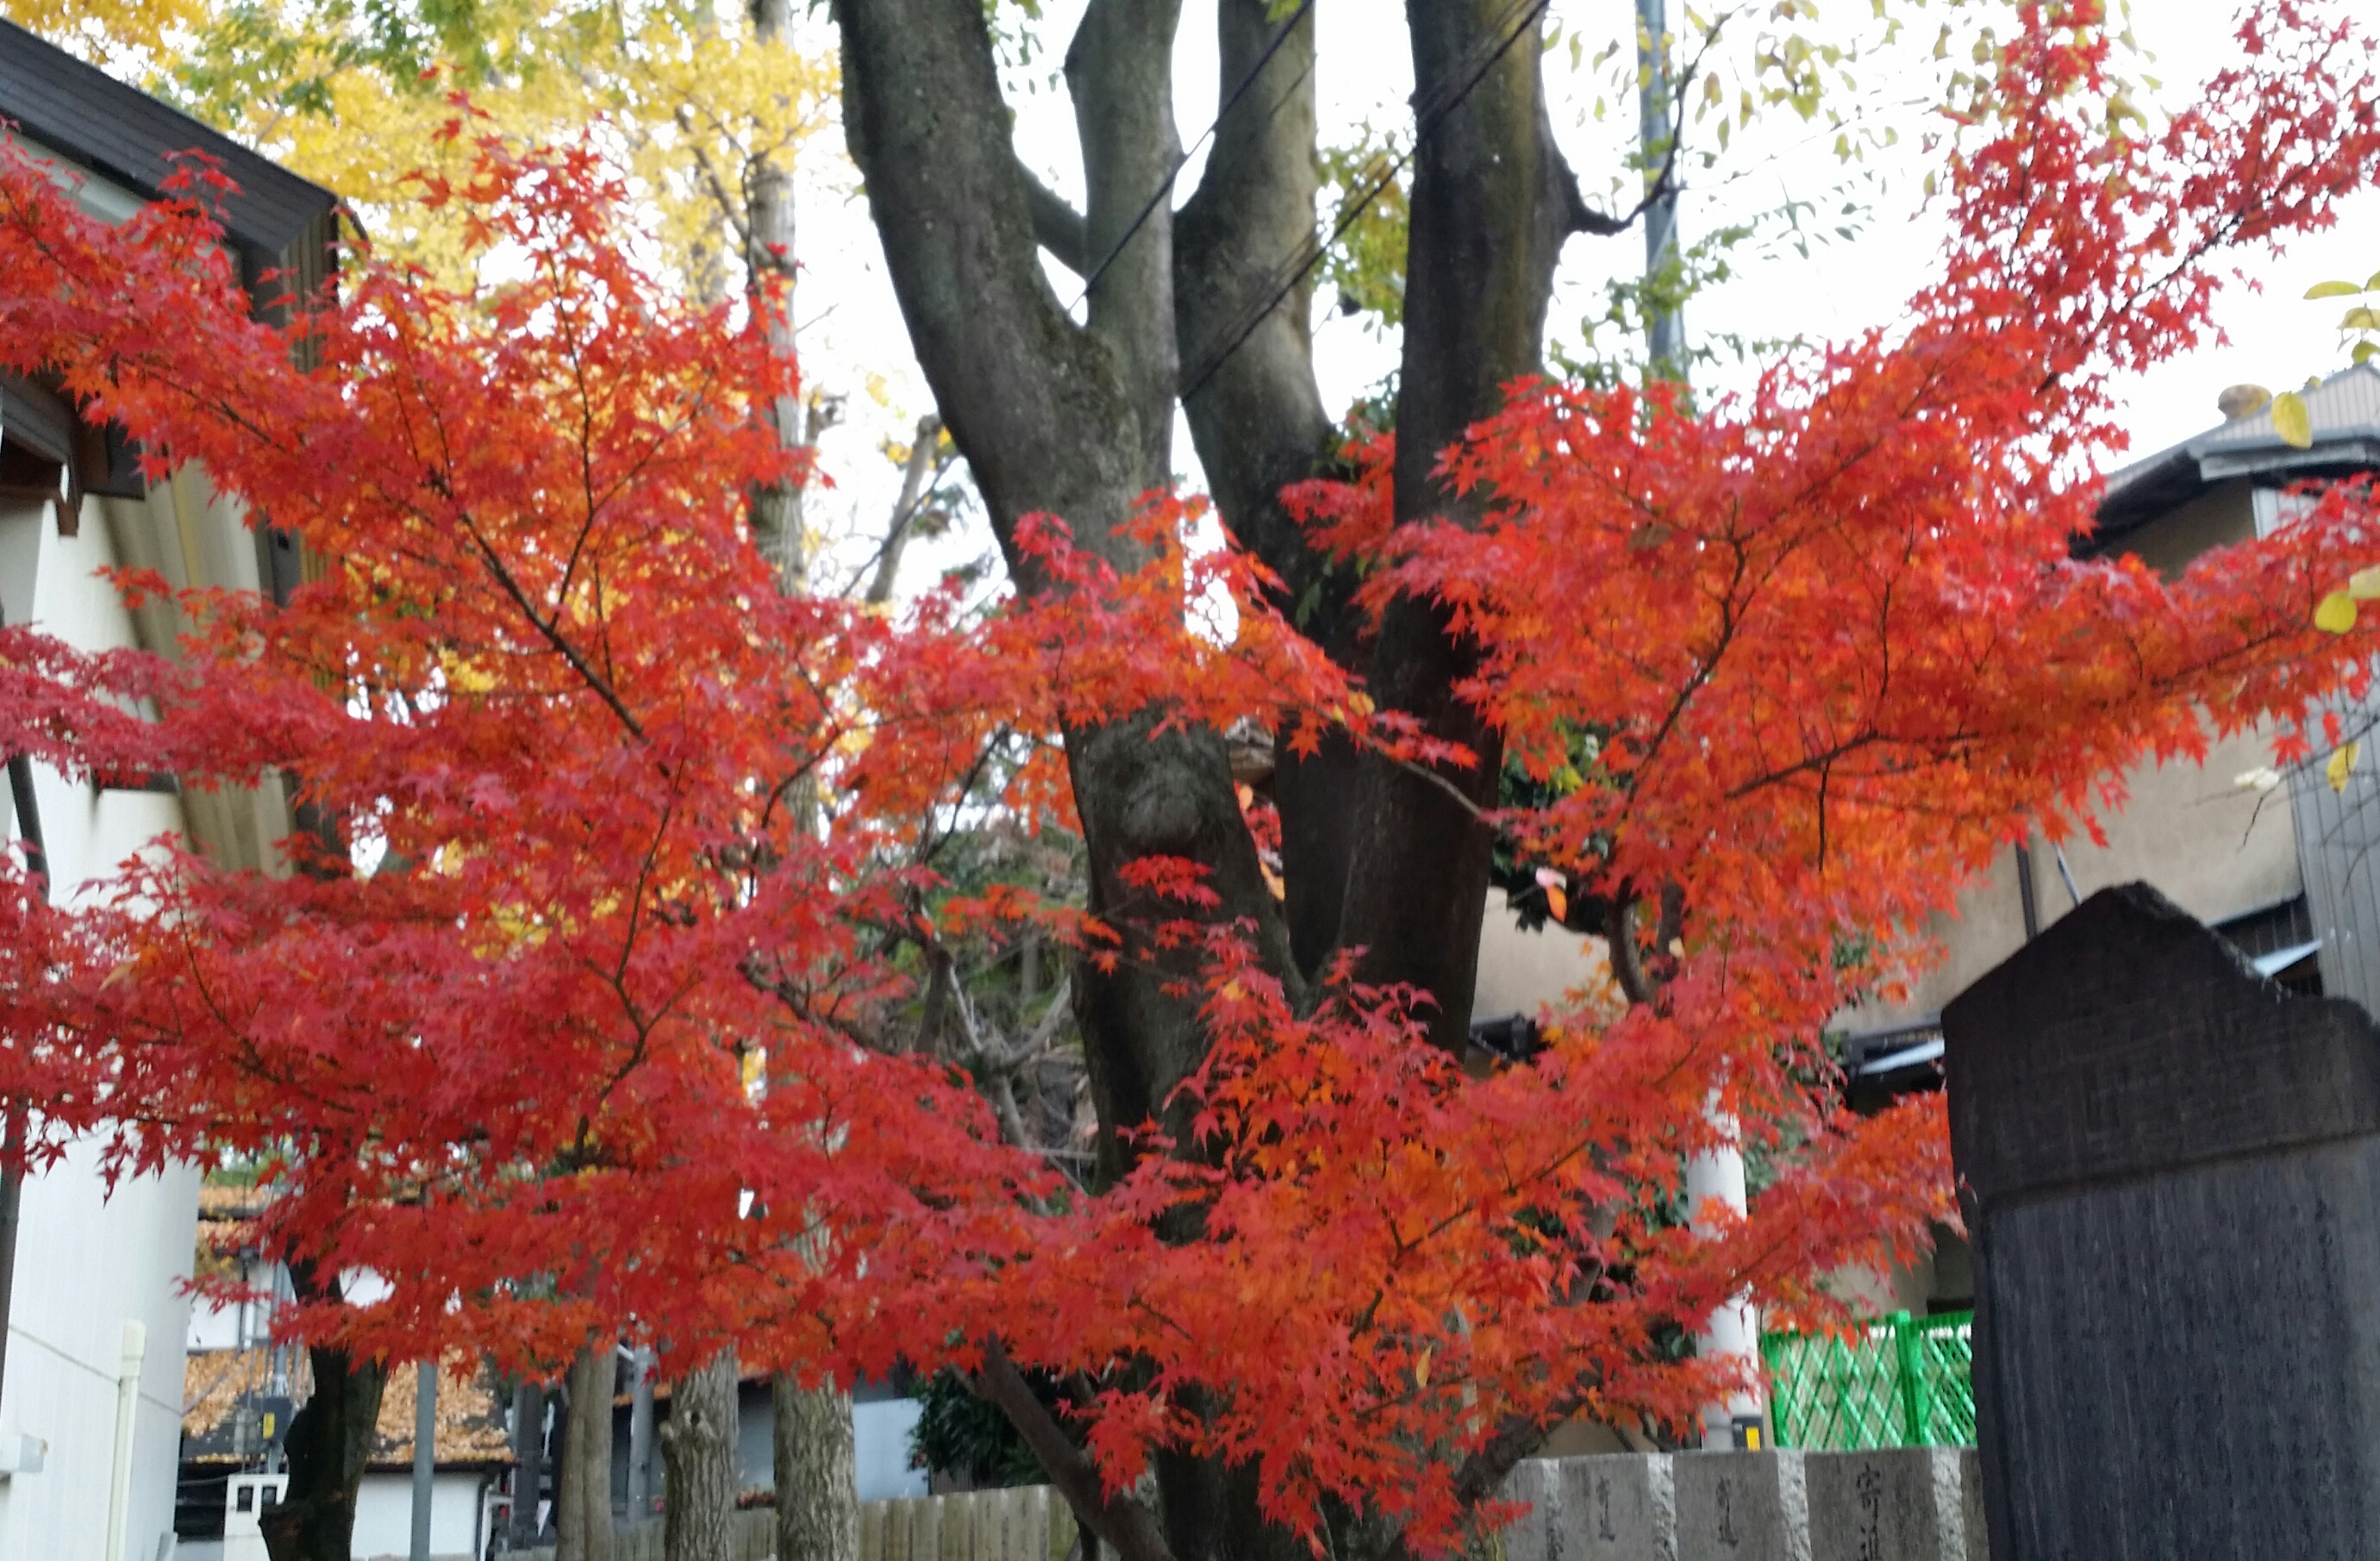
<point x="1029" y="1523"/>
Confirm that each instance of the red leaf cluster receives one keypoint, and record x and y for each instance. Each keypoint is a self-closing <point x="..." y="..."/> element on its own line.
<point x="593" y="1042"/>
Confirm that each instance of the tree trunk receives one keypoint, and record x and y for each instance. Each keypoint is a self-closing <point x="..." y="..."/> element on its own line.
<point x="817" y="1478"/>
<point x="528" y="1462"/>
<point x="698" y="1456"/>
<point x="816" y="1491"/>
<point x="329" y="1440"/>
<point x="583" y="1494"/>
<point x="1068" y="419"/>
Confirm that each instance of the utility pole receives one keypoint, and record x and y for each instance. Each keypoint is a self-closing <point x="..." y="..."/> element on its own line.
<point x="425" y="1455"/>
<point x="1665" y="327"/>
<point x="1714" y="1178"/>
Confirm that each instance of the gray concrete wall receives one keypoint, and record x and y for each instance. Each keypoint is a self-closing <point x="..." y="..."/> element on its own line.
<point x="1900" y="1504"/>
<point x="2210" y="847"/>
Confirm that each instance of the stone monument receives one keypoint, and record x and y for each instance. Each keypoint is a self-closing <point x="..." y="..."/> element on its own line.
<point x="2171" y="1175"/>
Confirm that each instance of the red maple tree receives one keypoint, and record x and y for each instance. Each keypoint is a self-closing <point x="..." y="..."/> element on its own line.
<point x="595" y="1045"/>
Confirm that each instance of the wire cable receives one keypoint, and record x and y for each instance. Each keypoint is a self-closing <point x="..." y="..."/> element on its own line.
<point x="1165" y="186"/>
<point x="1303" y="260"/>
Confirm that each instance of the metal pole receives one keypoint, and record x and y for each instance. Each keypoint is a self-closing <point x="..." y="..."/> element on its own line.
<point x="425" y="1454"/>
<point x="1664" y="328"/>
<point x="12" y="1137"/>
<point x="640" y="1434"/>
<point x="128" y="1405"/>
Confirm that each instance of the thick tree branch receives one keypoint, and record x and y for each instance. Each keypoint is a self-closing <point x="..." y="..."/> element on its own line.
<point x="1120" y="71"/>
<point x="1056" y="224"/>
<point x="1119" y="1519"/>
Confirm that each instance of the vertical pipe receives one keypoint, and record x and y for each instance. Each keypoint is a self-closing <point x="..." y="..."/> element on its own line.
<point x="2024" y="889"/>
<point x="1713" y="1180"/>
<point x="128" y="1405"/>
<point x="12" y="1199"/>
<point x="425" y="1454"/>
<point x="640" y="1437"/>
<point x="12" y="1137"/>
<point x="1664" y="328"/>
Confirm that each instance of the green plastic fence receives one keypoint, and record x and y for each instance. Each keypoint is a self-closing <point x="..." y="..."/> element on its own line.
<point x="1903" y="1381"/>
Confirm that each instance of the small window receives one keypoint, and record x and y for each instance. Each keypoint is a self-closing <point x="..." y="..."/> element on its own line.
<point x="244" y="1499"/>
<point x="272" y="1497"/>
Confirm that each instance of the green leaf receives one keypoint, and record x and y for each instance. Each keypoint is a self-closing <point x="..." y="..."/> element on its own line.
<point x="2333" y="290"/>
<point x="2292" y="421"/>
<point x="2361" y="318"/>
<point x="2366" y="351"/>
<point x="2337" y="613"/>
<point x="2373" y="286"/>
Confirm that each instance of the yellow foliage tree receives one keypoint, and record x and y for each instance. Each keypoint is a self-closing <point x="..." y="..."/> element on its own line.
<point x="688" y="94"/>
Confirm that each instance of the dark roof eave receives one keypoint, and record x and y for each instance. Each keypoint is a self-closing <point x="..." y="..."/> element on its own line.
<point x="490" y="1464"/>
<point x="82" y="113"/>
<point x="2165" y="482"/>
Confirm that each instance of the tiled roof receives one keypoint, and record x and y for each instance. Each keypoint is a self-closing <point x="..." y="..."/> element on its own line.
<point x="223" y="1202"/>
<point x="2346" y="405"/>
<point x="470" y="1419"/>
<point x="2345" y="414"/>
<point x="470" y="1411"/>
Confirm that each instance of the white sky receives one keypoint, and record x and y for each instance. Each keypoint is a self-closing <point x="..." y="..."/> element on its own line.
<point x="2275" y="338"/>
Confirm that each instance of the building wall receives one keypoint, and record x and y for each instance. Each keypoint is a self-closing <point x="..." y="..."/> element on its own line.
<point x="385" y="1517"/>
<point x="2190" y="829"/>
<point x="87" y="1261"/>
<point x="2224" y="513"/>
<point x="1522" y="972"/>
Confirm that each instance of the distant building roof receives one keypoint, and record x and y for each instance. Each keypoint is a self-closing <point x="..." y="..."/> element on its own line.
<point x="229" y="1203"/>
<point x="2344" y="410"/>
<point x="217" y="1383"/>
<point x="80" y="111"/>
<point x="274" y="221"/>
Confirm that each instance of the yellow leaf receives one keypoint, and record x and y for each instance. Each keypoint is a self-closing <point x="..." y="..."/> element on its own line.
<point x="2360" y="317"/>
<point x="2337" y="613"/>
<point x="2342" y="765"/>
<point x="1421" y="1369"/>
<point x="2333" y="290"/>
<point x="2364" y="584"/>
<point x="2292" y="421"/>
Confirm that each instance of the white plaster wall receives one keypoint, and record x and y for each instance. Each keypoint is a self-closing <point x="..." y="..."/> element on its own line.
<point x="87" y="1261"/>
<point x="880" y="1438"/>
<point x="1523" y="971"/>
<point x="385" y="1517"/>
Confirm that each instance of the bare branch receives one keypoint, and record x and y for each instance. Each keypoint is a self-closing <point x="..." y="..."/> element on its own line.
<point x="922" y="465"/>
<point x="1120" y="1521"/>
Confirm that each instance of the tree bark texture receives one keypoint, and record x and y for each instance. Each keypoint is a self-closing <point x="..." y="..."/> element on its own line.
<point x="329" y="1439"/>
<point x="1209" y="306"/>
<point x="1255" y="413"/>
<point x="769" y="262"/>
<point x="583" y="1494"/>
<point x="699" y="1474"/>
<point x="1492" y="201"/>
<point x="817" y="1474"/>
<point x="1064" y="419"/>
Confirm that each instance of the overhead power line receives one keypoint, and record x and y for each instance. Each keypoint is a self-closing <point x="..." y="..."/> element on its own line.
<point x="1302" y="261"/>
<point x="1165" y="186"/>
